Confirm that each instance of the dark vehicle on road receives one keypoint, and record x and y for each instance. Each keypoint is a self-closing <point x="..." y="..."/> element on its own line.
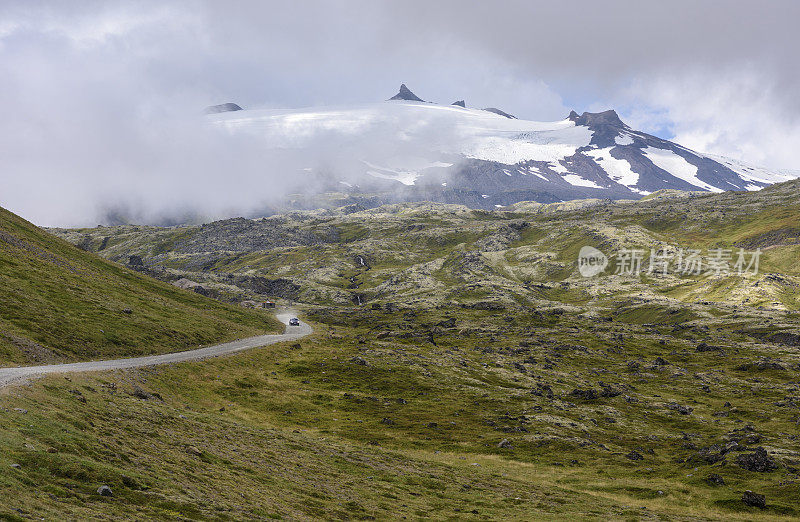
<point x="294" y="321"/>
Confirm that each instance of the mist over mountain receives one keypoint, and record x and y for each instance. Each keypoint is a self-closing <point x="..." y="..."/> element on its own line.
<point x="409" y="150"/>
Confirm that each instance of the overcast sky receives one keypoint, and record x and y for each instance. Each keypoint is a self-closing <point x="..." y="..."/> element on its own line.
<point x="90" y="92"/>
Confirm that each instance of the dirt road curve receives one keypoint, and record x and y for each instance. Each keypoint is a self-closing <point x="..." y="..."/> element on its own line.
<point x="23" y="373"/>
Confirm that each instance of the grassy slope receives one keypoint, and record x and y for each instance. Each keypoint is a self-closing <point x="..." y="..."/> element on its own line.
<point x="60" y="303"/>
<point x="309" y="432"/>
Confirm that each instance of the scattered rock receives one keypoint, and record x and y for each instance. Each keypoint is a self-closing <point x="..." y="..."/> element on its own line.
<point x="358" y="360"/>
<point x="447" y="323"/>
<point x="709" y="455"/>
<point x="586" y="395"/>
<point x="607" y="391"/>
<point x="757" y="461"/>
<point x="140" y="393"/>
<point x="683" y="410"/>
<point x="703" y="347"/>
<point x="754" y="499"/>
<point x="660" y="361"/>
<point x="785" y="338"/>
<point x="505" y="443"/>
<point x="543" y="390"/>
<point x="105" y="491"/>
<point x="16" y="466"/>
<point x="634" y="455"/>
<point x="715" y="480"/>
<point x="193" y="450"/>
<point x="760" y="365"/>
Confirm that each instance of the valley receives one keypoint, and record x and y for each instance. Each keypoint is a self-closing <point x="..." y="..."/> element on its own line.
<point x="482" y="376"/>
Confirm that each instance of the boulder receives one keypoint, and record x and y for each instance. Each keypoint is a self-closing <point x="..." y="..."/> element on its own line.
<point x="105" y="491"/>
<point x="586" y="395"/>
<point x="754" y="499"/>
<point x="194" y="450"/>
<point x="757" y="461"/>
<point x="634" y="455"/>
<point x="358" y="360"/>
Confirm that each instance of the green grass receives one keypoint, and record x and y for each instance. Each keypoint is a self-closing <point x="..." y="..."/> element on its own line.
<point x="400" y="411"/>
<point x="302" y="430"/>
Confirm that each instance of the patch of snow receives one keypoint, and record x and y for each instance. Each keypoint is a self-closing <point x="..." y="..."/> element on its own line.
<point x="754" y="174"/>
<point x="405" y="177"/>
<point x="484" y="196"/>
<point x="444" y="184"/>
<point x="543" y="144"/>
<point x="678" y="167"/>
<point x="536" y="172"/>
<point x="558" y="167"/>
<point x="346" y="184"/>
<point x="507" y="173"/>
<point x="574" y="179"/>
<point x="619" y="170"/>
<point x="625" y="139"/>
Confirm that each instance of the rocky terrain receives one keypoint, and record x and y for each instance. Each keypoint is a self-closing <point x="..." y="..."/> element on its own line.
<point x="424" y="254"/>
<point x="461" y="367"/>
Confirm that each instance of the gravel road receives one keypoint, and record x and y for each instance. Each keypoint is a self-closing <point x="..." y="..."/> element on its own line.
<point x="291" y="333"/>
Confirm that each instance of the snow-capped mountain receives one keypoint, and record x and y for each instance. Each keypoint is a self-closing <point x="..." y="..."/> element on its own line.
<point x="411" y="150"/>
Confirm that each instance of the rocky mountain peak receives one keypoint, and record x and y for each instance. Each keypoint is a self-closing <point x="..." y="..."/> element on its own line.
<point x="224" y="107"/>
<point x="592" y="119"/>
<point x="406" y="94"/>
<point x="460" y="103"/>
<point x="497" y="111"/>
